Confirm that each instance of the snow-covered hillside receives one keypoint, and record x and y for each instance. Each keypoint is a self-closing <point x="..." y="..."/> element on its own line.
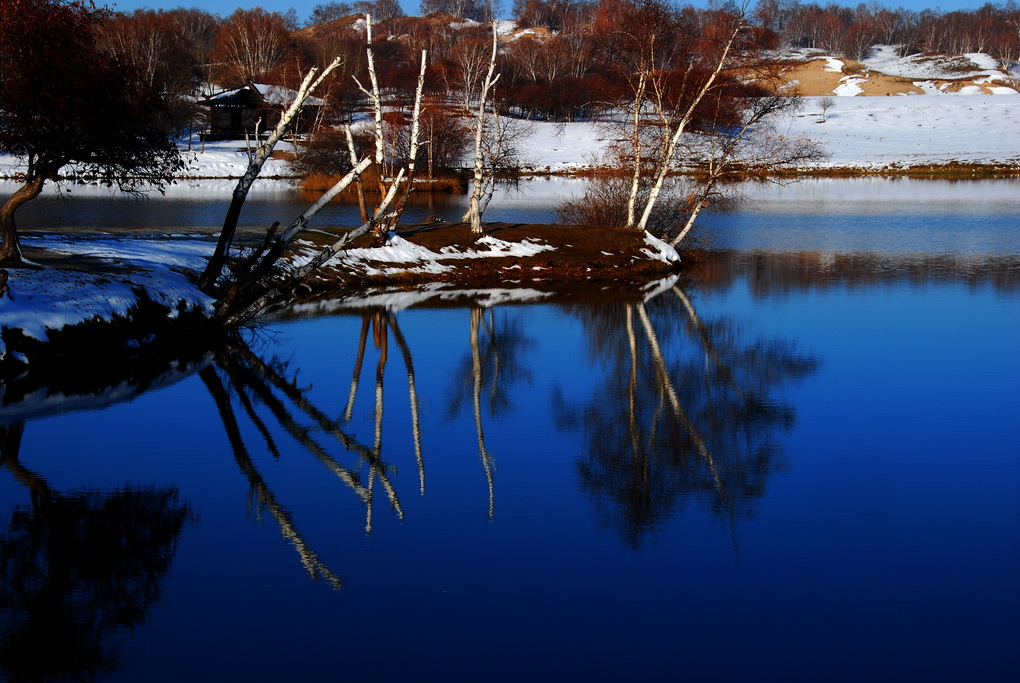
<point x="933" y="110"/>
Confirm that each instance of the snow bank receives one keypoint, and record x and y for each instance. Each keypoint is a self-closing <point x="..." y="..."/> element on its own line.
<point x="876" y="132"/>
<point x="51" y="298"/>
<point x="885" y="59"/>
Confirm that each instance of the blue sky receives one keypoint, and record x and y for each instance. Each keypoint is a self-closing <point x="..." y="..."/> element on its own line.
<point x="304" y="7"/>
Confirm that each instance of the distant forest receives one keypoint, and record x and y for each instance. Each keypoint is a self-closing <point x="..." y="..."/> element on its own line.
<point x="564" y="67"/>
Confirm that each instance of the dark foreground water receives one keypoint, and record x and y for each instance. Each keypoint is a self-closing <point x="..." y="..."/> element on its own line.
<point x="799" y="462"/>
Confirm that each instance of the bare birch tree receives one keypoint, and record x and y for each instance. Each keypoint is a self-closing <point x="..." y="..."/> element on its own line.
<point x="474" y="212"/>
<point x="674" y="123"/>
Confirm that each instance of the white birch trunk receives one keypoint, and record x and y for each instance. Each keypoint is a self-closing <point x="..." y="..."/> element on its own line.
<point x="255" y="164"/>
<point x="474" y="214"/>
<point x="376" y="98"/>
<point x="670" y="148"/>
<point x="362" y="205"/>
<point x="635" y="182"/>
<point x="414" y="144"/>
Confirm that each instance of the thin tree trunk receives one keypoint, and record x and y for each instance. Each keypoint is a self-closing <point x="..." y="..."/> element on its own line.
<point x="474" y="214"/>
<point x="681" y="127"/>
<point x="635" y="183"/>
<point x="10" y="250"/>
<point x="690" y="223"/>
<point x="362" y="205"/>
<point x="413" y="152"/>
<point x="376" y="98"/>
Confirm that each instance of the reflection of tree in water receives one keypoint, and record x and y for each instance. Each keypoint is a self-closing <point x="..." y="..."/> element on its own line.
<point x="497" y="346"/>
<point x="244" y="385"/>
<point x="687" y="410"/>
<point x="78" y="571"/>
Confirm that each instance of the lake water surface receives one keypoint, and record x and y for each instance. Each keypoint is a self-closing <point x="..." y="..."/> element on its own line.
<point x="797" y="462"/>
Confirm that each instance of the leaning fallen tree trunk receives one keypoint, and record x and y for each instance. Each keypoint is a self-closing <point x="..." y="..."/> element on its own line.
<point x="259" y="281"/>
<point x="213" y="270"/>
<point x="259" y="265"/>
<point x="259" y="295"/>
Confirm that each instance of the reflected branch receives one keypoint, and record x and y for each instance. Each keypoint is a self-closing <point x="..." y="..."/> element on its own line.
<point x="412" y="391"/>
<point x="264" y="495"/>
<point x="711" y="352"/>
<point x="476" y="402"/>
<point x="349" y="410"/>
<point x="328" y="426"/>
<point x="244" y="379"/>
<point x="676" y="420"/>
<point x="10" y="451"/>
<point x="674" y="401"/>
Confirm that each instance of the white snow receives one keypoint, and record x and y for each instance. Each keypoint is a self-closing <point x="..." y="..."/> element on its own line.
<point x="659" y="250"/>
<point x="876" y="132"/>
<point x="505" y="27"/>
<point x="833" y="64"/>
<point x="229" y="159"/>
<point x="51" y="298"/>
<point x="407" y="256"/>
<point x="849" y="86"/>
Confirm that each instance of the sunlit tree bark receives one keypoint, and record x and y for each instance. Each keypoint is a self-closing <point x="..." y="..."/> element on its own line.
<point x="474" y="212"/>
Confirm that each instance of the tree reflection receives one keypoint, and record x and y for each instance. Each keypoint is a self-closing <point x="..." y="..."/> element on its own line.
<point x="495" y="363"/>
<point x="263" y="386"/>
<point x="687" y="410"/>
<point x="78" y="571"/>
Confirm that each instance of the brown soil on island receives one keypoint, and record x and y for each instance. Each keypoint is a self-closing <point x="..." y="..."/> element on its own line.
<point x="584" y="255"/>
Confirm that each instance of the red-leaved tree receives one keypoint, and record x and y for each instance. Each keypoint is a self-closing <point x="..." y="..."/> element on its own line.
<point x="65" y="103"/>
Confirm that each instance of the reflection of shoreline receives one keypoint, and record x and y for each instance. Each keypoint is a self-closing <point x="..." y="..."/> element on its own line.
<point x="25" y="398"/>
<point x="780" y="272"/>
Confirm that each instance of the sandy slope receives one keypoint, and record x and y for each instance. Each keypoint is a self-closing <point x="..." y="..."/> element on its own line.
<point x="883" y="72"/>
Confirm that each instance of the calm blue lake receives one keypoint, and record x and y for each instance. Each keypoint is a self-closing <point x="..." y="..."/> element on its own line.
<point x="797" y="462"/>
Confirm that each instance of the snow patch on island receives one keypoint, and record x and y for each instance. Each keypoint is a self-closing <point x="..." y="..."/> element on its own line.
<point x="406" y="256"/>
<point x="659" y="250"/>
